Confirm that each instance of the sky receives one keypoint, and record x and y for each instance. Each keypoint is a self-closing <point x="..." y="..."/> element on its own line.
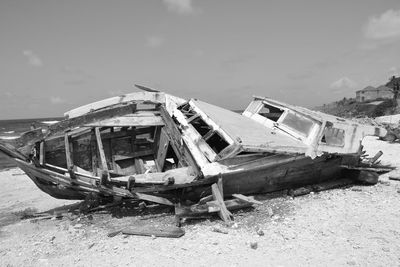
<point x="57" y="55"/>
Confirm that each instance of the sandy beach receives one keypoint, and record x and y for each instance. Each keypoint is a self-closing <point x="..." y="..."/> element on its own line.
<point x="356" y="226"/>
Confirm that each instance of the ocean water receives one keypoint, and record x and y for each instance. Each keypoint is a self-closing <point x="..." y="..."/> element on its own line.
<point x="10" y="129"/>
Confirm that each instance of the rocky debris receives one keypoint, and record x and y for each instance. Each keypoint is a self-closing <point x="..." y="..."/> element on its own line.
<point x="219" y="230"/>
<point x="253" y="245"/>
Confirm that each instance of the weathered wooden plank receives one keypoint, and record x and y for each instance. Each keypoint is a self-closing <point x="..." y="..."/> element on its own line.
<point x="155" y="199"/>
<point x="220" y="186"/>
<point x="201" y="209"/>
<point x="223" y="213"/>
<point x="137" y="154"/>
<point x="42" y="154"/>
<point x="127" y="121"/>
<point x="105" y="175"/>
<point x="88" y="118"/>
<point x="173" y="232"/>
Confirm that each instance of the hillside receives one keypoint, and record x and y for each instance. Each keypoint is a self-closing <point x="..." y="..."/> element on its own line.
<point x="349" y="108"/>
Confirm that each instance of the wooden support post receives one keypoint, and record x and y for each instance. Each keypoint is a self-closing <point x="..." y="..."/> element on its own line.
<point x="105" y="175"/>
<point x="68" y="156"/>
<point x="223" y="213"/>
<point x="220" y="186"/>
<point x="162" y="151"/>
<point x="42" y="154"/>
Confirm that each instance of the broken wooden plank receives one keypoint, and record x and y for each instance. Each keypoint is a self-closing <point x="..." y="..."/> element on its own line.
<point x="172" y="232"/>
<point x="376" y="157"/>
<point x="136" y="154"/>
<point x="247" y="198"/>
<point x="155" y="199"/>
<point x="205" y="199"/>
<point x="105" y="176"/>
<point x="139" y="166"/>
<point x="224" y="214"/>
<point x="201" y="209"/>
<point x="90" y="117"/>
<point x="128" y="121"/>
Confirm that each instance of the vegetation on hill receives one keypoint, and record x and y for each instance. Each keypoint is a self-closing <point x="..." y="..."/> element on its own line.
<point x="349" y="108"/>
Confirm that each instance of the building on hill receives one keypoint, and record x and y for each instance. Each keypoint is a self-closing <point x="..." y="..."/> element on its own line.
<point x="371" y="93"/>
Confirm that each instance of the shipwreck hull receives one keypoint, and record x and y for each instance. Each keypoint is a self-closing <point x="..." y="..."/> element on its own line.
<point x="264" y="175"/>
<point x="156" y="147"/>
<point x="269" y="175"/>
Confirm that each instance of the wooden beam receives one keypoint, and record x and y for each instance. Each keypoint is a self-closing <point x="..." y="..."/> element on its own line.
<point x="42" y="154"/>
<point x="137" y="154"/>
<point x="105" y="176"/>
<point x="68" y="156"/>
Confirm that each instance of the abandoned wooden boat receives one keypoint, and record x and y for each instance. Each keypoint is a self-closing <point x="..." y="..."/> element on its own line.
<point x="157" y="147"/>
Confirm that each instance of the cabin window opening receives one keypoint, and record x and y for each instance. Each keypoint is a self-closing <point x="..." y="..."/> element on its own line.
<point x="201" y="126"/>
<point x="187" y="110"/>
<point x="271" y="112"/>
<point x="298" y="123"/>
<point x="217" y="143"/>
<point x="333" y="136"/>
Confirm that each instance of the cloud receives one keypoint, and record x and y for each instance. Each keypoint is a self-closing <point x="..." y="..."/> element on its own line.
<point x="154" y="41"/>
<point x="385" y="26"/>
<point x="33" y="59"/>
<point x="342" y="84"/>
<point x="183" y="7"/>
<point x="393" y="71"/>
<point x="56" y="100"/>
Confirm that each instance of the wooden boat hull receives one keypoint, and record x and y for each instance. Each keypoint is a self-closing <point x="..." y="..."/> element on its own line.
<point x="259" y="176"/>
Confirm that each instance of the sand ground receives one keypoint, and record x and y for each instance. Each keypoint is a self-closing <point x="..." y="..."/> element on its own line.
<point x="357" y="226"/>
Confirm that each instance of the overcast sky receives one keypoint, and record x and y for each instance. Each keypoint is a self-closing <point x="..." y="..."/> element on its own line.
<point x="57" y="55"/>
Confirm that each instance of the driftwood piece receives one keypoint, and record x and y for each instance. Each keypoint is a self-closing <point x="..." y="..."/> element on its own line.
<point x="173" y="232"/>
<point x="247" y="198"/>
<point x="394" y="177"/>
